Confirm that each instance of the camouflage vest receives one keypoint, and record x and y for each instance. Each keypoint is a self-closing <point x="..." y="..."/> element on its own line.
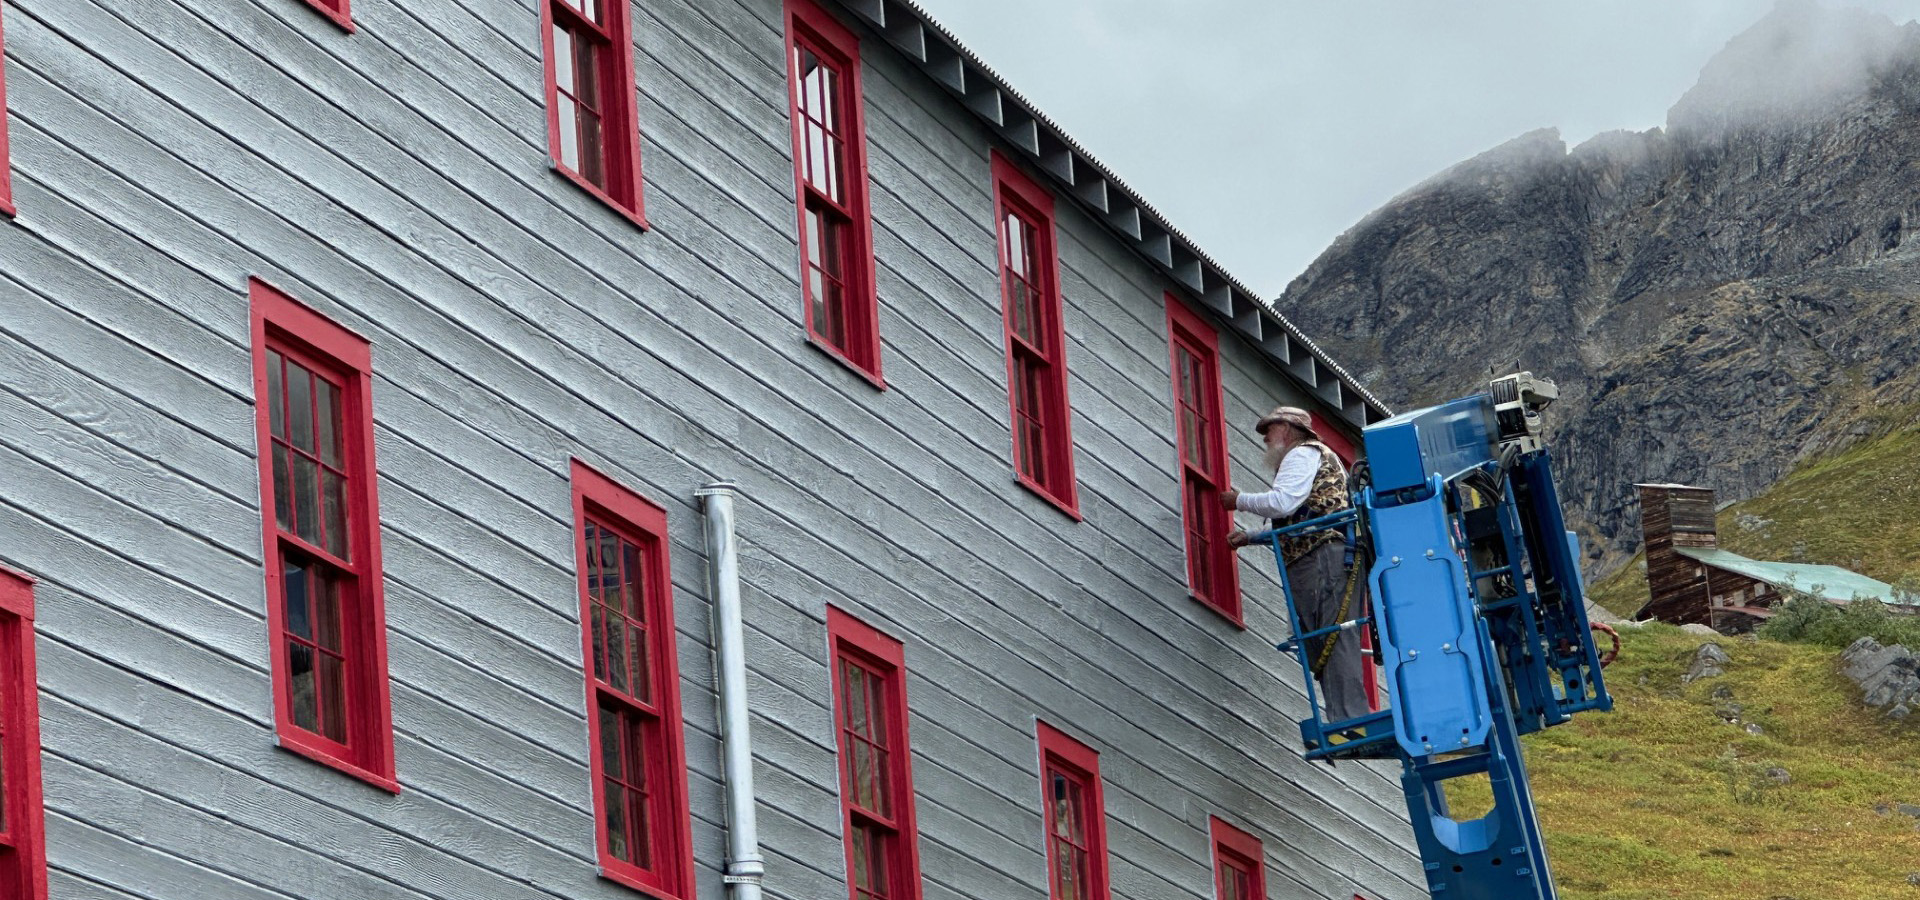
<point x="1328" y="496"/>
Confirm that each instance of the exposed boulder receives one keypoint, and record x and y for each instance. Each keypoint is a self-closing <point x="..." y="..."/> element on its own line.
<point x="1889" y="677"/>
<point x="1709" y="662"/>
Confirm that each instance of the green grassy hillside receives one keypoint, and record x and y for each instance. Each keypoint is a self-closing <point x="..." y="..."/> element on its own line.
<point x="1859" y="509"/>
<point x="1662" y="798"/>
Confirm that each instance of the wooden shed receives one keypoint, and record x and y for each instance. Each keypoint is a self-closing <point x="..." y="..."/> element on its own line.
<point x="1691" y="580"/>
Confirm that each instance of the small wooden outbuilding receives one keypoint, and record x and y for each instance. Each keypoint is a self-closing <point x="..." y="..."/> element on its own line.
<point x="1691" y="580"/>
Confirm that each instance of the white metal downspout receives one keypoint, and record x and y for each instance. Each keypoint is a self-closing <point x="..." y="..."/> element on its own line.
<point x="745" y="866"/>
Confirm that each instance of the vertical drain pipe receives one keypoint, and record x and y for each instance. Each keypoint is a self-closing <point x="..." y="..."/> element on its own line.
<point x="745" y="867"/>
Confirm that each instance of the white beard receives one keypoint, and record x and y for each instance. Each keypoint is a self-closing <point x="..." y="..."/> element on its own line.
<point x="1272" y="458"/>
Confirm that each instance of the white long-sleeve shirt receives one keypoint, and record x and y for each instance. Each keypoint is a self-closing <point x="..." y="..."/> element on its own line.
<point x="1291" y="485"/>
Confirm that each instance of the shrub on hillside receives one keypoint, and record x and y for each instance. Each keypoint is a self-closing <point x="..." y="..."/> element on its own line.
<point x="1810" y="620"/>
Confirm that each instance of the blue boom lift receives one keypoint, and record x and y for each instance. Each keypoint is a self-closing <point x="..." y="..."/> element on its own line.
<point x="1478" y="621"/>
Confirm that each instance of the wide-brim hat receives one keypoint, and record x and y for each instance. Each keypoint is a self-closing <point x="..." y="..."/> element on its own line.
<point x="1292" y="415"/>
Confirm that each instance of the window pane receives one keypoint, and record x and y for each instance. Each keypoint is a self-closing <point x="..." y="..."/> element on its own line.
<point x="831" y="234"/>
<point x="598" y="629"/>
<point x="612" y="589"/>
<point x="563" y="63"/>
<point x="1030" y="253"/>
<point x="300" y="407"/>
<point x="333" y="693"/>
<point x="637" y="810"/>
<point x="282" y="487"/>
<point x="1031" y="326"/>
<point x="617" y="665"/>
<point x="334" y="498"/>
<point x="828" y="111"/>
<point x="855" y="689"/>
<point x="593" y="152"/>
<point x="276" y="398"/>
<point x="870" y="867"/>
<point x="637" y="649"/>
<point x="301" y="686"/>
<point x="633" y="581"/>
<point x="616" y="800"/>
<point x="326" y="610"/>
<point x="613" y="763"/>
<point x="1013" y="244"/>
<point x="327" y="402"/>
<point x="863" y="774"/>
<point x="306" y="490"/>
<point x="877" y="784"/>
<point x="834" y="165"/>
<point x="569" y="132"/>
<point x="299" y="607"/>
<point x="591" y="103"/>
<point x="817" y="159"/>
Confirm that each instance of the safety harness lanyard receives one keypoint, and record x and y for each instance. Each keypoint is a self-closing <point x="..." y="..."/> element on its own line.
<point x="1346" y="601"/>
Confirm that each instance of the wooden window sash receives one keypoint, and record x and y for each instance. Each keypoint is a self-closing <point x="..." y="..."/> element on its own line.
<point x="342" y="382"/>
<point x="1239" y="869"/>
<point x="639" y="739"/>
<point x="340" y="574"/>
<point x="841" y="313"/>
<point x="1036" y="358"/>
<point x="834" y="133"/>
<point x="649" y="600"/>
<point x="650" y="742"/>
<point x="351" y="728"/>
<point x="891" y="834"/>
<point x="605" y="33"/>
<point x="1200" y="439"/>
<point x="1074" y="764"/>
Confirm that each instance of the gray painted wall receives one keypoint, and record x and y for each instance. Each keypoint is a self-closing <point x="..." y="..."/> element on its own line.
<point x="397" y="180"/>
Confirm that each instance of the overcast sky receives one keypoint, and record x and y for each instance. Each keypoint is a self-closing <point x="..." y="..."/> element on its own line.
<point x="1265" y="128"/>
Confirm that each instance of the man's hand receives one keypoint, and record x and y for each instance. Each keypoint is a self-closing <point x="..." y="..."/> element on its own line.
<point x="1230" y="498"/>
<point x="1237" y="538"/>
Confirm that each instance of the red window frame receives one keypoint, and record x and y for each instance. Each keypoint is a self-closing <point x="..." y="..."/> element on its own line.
<point x="294" y="344"/>
<point x="651" y="811"/>
<point x="1200" y="442"/>
<point x="6" y="165"/>
<point x="1239" y="865"/>
<point x="876" y="798"/>
<point x="23" y="846"/>
<point x="1029" y="265"/>
<point x="1332" y="437"/>
<point x="836" y="229"/>
<point x="1067" y="764"/>
<point x="612" y="171"/>
<point x="337" y="10"/>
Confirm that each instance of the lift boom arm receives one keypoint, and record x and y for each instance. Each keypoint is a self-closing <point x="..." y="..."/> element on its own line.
<point x="1480" y="622"/>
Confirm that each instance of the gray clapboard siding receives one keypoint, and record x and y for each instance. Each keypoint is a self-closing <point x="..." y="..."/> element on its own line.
<point x="63" y="883"/>
<point x="232" y="771"/>
<point x="397" y="181"/>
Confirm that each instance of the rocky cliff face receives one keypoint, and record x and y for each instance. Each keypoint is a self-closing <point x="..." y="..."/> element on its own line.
<point x="1718" y="300"/>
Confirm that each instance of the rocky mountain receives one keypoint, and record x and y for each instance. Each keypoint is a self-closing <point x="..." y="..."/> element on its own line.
<point x="1719" y="300"/>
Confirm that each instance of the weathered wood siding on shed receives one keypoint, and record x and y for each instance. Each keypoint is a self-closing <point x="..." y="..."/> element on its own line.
<point x="397" y="179"/>
<point x="1672" y="516"/>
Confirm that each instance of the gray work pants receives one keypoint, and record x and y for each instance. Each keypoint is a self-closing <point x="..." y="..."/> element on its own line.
<point x="1318" y="580"/>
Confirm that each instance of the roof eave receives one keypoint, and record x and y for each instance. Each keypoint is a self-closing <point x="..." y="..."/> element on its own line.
<point x="1091" y="186"/>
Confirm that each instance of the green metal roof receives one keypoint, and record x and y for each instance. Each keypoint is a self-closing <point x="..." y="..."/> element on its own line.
<point x="1828" y="582"/>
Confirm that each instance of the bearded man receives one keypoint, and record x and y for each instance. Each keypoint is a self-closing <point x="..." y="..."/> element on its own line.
<point x="1309" y="482"/>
